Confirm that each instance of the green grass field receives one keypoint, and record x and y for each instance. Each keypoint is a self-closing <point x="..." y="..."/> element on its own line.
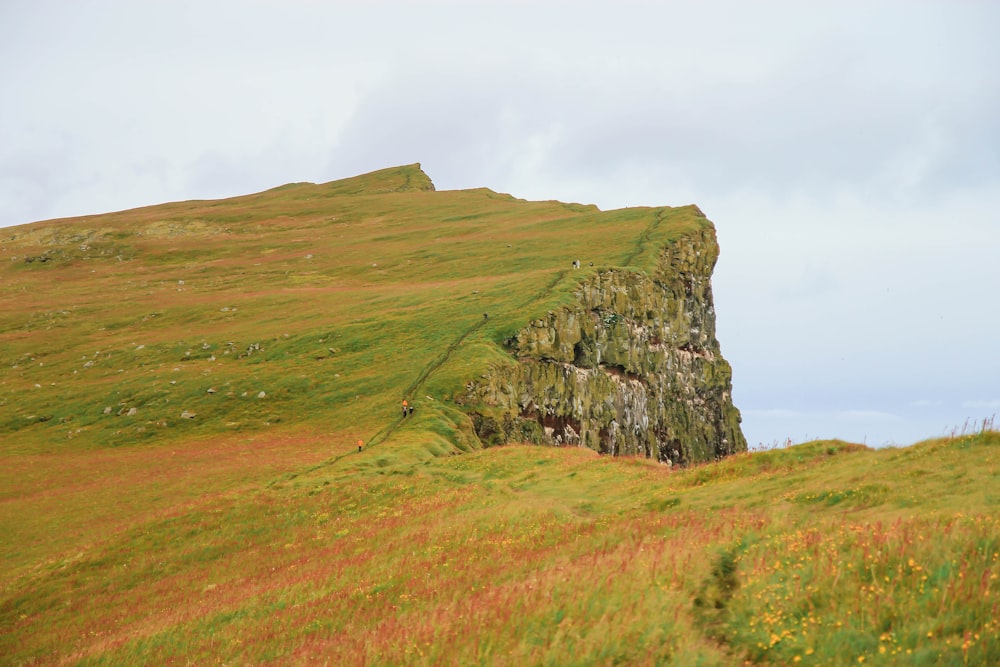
<point x="287" y="325"/>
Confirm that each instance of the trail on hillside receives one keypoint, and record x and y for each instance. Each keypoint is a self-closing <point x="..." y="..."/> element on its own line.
<point x="421" y="379"/>
<point x="408" y="393"/>
<point x="425" y="373"/>
<point x="445" y="355"/>
<point x="640" y="244"/>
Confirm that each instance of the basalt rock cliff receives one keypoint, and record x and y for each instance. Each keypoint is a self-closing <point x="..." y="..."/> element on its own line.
<point x="631" y="368"/>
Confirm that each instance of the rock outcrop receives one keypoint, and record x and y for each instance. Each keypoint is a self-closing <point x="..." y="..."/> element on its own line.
<point x="631" y="368"/>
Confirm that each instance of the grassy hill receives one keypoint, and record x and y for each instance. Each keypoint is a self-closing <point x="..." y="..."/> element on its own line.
<point x="183" y="387"/>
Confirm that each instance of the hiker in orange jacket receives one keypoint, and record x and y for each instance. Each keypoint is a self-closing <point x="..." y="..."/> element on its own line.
<point x="405" y="407"/>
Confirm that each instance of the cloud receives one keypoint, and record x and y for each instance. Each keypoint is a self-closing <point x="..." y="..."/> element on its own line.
<point x="989" y="404"/>
<point x="865" y="416"/>
<point x="608" y="102"/>
<point x="773" y="413"/>
<point x="827" y="109"/>
<point x="818" y="416"/>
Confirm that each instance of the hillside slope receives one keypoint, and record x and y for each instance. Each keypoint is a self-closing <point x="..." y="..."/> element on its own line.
<point x="334" y="300"/>
<point x="239" y="338"/>
<point x="183" y="388"/>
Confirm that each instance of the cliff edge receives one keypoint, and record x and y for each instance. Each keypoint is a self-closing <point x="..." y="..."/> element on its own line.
<point x="632" y="367"/>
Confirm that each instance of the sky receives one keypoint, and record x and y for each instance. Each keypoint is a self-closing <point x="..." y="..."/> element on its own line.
<point x="848" y="153"/>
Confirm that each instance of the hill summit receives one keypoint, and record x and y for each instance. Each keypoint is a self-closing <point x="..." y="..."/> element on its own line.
<point x="327" y="305"/>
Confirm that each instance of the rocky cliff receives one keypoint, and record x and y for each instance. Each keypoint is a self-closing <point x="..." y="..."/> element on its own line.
<point x="632" y="367"/>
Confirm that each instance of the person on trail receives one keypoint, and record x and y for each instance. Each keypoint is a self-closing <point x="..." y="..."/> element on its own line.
<point x="361" y="443"/>
<point x="411" y="410"/>
<point x="405" y="407"/>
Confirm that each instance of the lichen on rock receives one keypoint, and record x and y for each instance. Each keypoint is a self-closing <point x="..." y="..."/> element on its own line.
<point x="631" y="368"/>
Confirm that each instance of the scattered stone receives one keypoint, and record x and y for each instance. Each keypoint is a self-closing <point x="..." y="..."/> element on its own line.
<point x="180" y="282"/>
<point x="132" y="412"/>
<point x="253" y="347"/>
<point x="261" y="395"/>
<point x="107" y="410"/>
<point x="211" y="390"/>
<point x="188" y="415"/>
<point x="309" y="256"/>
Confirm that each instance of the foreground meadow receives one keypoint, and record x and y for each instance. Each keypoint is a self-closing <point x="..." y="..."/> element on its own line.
<point x="821" y="554"/>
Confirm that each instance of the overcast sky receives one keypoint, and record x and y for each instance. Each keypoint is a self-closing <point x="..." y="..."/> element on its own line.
<point x="848" y="153"/>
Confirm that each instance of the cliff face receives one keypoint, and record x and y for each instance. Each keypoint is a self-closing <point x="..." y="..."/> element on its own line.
<point x="633" y="367"/>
